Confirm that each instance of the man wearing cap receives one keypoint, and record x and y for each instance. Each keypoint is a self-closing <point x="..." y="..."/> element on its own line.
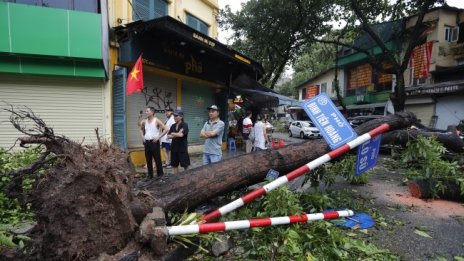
<point x="179" y="147"/>
<point x="165" y="141"/>
<point x="212" y="132"/>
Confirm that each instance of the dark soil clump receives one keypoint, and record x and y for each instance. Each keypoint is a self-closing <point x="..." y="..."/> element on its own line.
<point x="82" y="205"/>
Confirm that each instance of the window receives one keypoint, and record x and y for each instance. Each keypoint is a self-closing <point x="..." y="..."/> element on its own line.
<point x="149" y="9"/>
<point x="78" y="5"/>
<point x="451" y="33"/>
<point x="197" y="24"/>
<point x="323" y="87"/>
<point x="303" y="93"/>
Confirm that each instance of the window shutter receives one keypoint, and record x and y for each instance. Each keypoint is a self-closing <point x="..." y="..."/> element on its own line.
<point x="160" y="9"/>
<point x="141" y="10"/>
<point x="461" y="33"/>
<point x="119" y="107"/>
<point x="203" y="28"/>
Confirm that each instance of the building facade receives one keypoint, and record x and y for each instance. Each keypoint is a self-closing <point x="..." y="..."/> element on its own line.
<point x="435" y="76"/>
<point x="53" y="60"/>
<point x="184" y="66"/>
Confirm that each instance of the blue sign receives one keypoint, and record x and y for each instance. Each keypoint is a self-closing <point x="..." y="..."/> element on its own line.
<point x="272" y="174"/>
<point x="368" y="153"/>
<point x="333" y="126"/>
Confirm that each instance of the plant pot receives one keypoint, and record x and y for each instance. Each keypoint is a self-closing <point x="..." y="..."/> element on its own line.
<point x="423" y="188"/>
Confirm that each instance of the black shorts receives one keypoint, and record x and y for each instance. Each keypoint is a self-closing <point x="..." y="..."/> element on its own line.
<point x="180" y="157"/>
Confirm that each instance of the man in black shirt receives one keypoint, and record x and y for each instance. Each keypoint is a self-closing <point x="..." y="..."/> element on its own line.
<point x="179" y="147"/>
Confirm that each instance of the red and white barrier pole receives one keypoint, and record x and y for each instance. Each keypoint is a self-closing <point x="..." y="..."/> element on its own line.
<point x="259" y="222"/>
<point x="215" y="214"/>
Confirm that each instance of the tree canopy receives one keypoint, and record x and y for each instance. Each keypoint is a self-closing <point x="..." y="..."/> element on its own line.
<point x="278" y="33"/>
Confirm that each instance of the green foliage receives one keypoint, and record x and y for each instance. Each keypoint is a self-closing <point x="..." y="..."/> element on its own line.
<point x="266" y="32"/>
<point x="317" y="240"/>
<point x="279" y="126"/>
<point x="190" y="239"/>
<point x="424" y="160"/>
<point x="11" y="212"/>
<point x="344" y="167"/>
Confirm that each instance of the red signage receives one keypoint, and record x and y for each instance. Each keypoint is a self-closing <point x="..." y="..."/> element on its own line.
<point x="311" y="91"/>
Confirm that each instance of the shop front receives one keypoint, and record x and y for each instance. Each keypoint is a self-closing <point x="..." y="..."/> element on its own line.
<point x="182" y="69"/>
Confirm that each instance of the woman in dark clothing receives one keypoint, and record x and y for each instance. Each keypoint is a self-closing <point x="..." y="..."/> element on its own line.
<point x="179" y="147"/>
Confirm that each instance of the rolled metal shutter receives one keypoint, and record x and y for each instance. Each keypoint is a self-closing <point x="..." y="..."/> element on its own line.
<point x="72" y="107"/>
<point x="159" y="93"/>
<point x="195" y="99"/>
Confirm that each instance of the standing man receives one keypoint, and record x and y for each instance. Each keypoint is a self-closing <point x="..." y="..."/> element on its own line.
<point x="212" y="133"/>
<point x="179" y="147"/>
<point x="260" y="134"/>
<point x="247" y="127"/>
<point x="151" y="131"/>
<point x="165" y="140"/>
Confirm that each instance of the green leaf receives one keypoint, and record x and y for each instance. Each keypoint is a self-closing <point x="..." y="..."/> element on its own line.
<point x="422" y="233"/>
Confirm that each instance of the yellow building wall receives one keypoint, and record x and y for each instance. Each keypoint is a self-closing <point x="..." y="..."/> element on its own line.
<point x="441" y="52"/>
<point x="120" y="12"/>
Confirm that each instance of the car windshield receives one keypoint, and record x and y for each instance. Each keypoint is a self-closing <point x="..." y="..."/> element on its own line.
<point x="306" y="124"/>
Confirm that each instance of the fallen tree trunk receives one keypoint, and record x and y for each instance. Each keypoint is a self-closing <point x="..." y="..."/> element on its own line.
<point x="192" y="187"/>
<point x="83" y="200"/>
<point x="450" y="140"/>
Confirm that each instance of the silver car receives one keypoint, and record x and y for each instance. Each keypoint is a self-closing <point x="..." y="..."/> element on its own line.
<point x="303" y="129"/>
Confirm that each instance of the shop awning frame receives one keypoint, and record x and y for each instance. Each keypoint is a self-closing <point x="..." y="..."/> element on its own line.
<point x="267" y="98"/>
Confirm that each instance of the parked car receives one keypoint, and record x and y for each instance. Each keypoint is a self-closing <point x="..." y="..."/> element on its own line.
<point x="269" y="127"/>
<point x="358" y="120"/>
<point x="303" y="129"/>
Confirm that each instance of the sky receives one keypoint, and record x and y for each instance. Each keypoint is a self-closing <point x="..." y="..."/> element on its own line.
<point x="235" y="5"/>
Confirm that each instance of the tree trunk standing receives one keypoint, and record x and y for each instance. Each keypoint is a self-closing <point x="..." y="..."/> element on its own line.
<point x="399" y="96"/>
<point x="195" y="186"/>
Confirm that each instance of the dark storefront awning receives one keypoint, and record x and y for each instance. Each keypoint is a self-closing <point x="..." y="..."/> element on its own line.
<point x="436" y="88"/>
<point x="266" y="98"/>
<point x="168" y="44"/>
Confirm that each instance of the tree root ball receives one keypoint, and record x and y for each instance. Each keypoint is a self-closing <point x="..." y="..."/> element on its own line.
<point x="83" y="205"/>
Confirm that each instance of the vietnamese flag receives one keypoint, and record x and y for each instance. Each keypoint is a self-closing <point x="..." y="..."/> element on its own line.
<point x="135" y="79"/>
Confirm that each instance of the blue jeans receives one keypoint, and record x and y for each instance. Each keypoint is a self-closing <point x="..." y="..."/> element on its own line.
<point x="210" y="158"/>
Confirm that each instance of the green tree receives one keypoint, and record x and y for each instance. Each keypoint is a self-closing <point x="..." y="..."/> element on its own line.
<point x="274" y="32"/>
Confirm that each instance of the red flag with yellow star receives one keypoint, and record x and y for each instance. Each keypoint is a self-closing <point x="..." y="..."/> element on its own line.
<point x="135" y="78"/>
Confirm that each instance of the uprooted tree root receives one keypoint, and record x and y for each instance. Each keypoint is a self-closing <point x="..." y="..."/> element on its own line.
<point x="82" y="201"/>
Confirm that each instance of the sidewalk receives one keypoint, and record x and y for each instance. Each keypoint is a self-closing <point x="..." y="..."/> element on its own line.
<point x="196" y="160"/>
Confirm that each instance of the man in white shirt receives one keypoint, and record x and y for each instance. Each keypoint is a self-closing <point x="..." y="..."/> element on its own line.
<point x="165" y="141"/>
<point x="247" y="126"/>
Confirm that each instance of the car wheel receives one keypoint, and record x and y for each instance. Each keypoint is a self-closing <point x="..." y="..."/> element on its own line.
<point x="290" y="133"/>
<point x="302" y="135"/>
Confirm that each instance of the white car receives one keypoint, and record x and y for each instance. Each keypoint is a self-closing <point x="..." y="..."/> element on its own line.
<point x="303" y="129"/>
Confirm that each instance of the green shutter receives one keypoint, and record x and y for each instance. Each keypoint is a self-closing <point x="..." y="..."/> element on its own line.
<point x="149" y="9"/>
<point x="119" y="107"/>
<point x="195" y="99"/>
